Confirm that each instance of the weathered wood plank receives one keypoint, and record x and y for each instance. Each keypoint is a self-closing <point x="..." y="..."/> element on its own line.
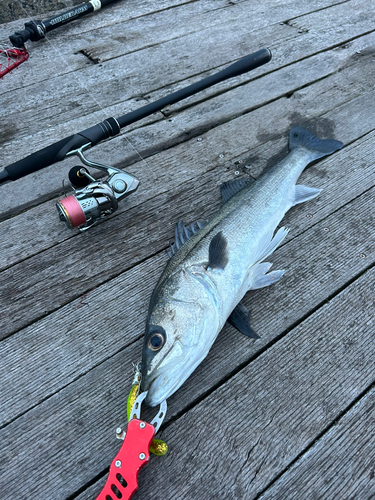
<point x="339" y="465"/>
<point x="63" y="429"/>
<point x="294" y="391"/>
<point x="145" y="74"/>
<point x="128" y="9"/>
<point x="333" y="92"/>
<point x="42" y="226"/>
<point x="29" y="289"/>
<point x="11" y="11"/>
<point x="194" y="18"/>
<point x="65" y="376"/>
<point x="127" y="27"/>
<point x="237" y="440"/>
<point x="111" y="317"/>
<point x="67" y="344"/>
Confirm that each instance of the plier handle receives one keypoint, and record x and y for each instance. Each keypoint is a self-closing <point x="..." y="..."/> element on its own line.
<point x="134" y="453"/>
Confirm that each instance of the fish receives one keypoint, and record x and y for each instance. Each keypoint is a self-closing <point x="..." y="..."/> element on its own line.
<point x="213" y="265"/>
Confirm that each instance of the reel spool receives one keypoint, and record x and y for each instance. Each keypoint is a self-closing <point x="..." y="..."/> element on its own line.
<point x="11" y="58"/>
<point x="95" y="199"/>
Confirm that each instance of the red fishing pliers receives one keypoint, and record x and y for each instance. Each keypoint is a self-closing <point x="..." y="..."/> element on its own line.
<point x="134" y="453"/>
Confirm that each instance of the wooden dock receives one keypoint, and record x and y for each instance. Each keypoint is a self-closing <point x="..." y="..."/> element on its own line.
<point x="288" y="416"/>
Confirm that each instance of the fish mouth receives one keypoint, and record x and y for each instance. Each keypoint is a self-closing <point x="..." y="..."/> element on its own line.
<point x="164" y="383"/>
<point x="158" y="389"/>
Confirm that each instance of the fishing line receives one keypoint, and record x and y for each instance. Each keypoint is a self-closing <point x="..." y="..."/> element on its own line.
<point x="90" y="94"/>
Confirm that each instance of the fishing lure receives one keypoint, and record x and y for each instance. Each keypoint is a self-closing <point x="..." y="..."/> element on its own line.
<point x="157" y="446"/>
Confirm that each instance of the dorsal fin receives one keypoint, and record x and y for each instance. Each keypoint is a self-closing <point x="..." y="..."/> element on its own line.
<point x="181" y="234"/>
<point x="230" y="188"/>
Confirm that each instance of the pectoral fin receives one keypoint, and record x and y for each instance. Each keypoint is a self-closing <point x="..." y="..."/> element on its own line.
<point x="217" y="252"/>
<point x="240" y="320"/>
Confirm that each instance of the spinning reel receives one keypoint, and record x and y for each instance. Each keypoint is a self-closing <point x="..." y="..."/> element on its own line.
<point x="93" y="200"/>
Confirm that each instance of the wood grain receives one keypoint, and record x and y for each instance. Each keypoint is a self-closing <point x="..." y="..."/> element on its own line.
<point x="298" y="387"/>
<point x="194" y="122"/>
<point x="286" y="416"/>
<point x="340" y="464"/>
<point x="79" y="96"/>
<point x="29" y="290"/>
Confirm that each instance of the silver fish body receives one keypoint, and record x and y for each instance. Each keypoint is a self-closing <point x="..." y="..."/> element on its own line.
<point x="211" y="269"/>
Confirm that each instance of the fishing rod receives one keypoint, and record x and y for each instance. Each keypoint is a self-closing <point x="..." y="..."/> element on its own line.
<point x="94" y="200"/>
<point x="36" y="30"/>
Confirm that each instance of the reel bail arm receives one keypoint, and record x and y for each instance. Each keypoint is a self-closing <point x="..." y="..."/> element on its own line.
<point x="98" y="200"/>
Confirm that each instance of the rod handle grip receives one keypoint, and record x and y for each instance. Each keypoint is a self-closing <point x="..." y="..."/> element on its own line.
<point x="58" y="151"/>
<point x="36" y="161"/>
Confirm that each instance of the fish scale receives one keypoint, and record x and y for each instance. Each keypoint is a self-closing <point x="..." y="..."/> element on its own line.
<point x="212" y="269"/>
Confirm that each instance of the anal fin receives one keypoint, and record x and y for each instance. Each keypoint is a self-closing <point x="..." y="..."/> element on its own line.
<point x="260" y="277"/>
<point x="304" y="193"/>
<point x="240" y="320"/>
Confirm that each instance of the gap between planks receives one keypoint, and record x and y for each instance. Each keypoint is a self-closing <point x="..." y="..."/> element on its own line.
<point x="153" y="77"/>
<point x="140" y="243"/>
<point x="301" y="343"/>
<point x="187" y="14"/>
<point x="293" y="480"/>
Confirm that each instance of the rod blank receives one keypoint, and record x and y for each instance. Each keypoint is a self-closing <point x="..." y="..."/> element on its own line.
<point x="110" y="127"/>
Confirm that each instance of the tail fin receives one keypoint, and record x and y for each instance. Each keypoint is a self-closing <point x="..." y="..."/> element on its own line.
<point x="301" y="138"/>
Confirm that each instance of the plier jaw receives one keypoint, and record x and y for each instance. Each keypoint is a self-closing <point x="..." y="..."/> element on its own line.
<point x="159" y="417"/>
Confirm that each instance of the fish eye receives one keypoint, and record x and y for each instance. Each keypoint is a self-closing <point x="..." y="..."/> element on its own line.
<point x="155" y="342"/>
